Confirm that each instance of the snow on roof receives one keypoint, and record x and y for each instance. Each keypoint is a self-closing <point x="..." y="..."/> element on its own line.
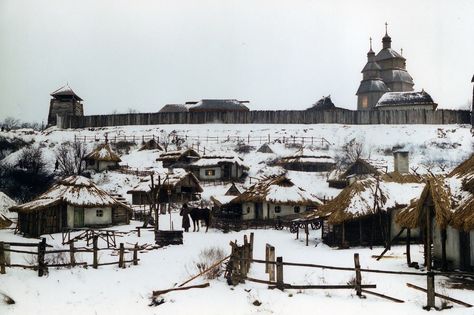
<point x="405" y="98"/>
<point x="103" y="153"/>
<point x="358" y="199"/>
<point x="222" y="199"/>
<point x="73" y="190"/>
<point x="176" y="155"/>
<point x="173" y="108"/>
<point x="218" y="105"/>
<point x="65" y="91"/>
<point x="277" y="190"/>
<point x="169" y="178"/>
<point x="217" y="159"/>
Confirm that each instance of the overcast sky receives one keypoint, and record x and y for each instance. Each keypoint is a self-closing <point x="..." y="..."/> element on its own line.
<point x="143" y="54"/>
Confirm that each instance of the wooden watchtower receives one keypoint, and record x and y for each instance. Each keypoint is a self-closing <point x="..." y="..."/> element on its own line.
<point x="64" y="102"/>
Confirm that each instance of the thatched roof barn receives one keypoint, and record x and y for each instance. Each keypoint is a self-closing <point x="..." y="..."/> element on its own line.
<point x="325" y="103"/>
<point x="176" y="185"/>
<point x="306" y="161"/>
<point x="353" y="211"/>
<point x="73" y="202"/>
<point x="178" y="159"/>
<point x="102" y="158"/>
<point x="224" y="166"/>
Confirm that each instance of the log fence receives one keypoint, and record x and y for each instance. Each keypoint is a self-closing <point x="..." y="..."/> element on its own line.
<point x="241" y="260"/>
<point x="42" y="253"/>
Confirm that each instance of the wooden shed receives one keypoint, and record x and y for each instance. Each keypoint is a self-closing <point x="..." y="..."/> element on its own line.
<point x="176" y="186"/>
<point x="179" y="159"/>
<point x="363" y="212"/>
<point x="102" y="158"/>
<point x="73" y="202"/>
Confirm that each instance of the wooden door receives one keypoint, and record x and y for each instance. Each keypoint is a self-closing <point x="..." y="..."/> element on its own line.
<point x="78" y="217"/>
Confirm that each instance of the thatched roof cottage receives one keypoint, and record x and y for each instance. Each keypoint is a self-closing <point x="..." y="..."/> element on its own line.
<point x="73" y="202"/>
<point x="224" y="167"/>
<point x="359" y="169"/>
<point x="273" y="197"/>
<point x="306" y="161"/>
<point x="363" y="212"/>
<point x="102" y="158"/>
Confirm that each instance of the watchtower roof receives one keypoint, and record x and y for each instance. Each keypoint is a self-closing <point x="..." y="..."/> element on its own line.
<point x="65" y="91"/>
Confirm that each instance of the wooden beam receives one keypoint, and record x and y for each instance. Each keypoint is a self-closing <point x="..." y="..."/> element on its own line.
<point x="387" y="248"/>
<point x="439" y="295"/>
<point x="383" y="296"/>
<point x="159" y="292"/>
<point x="408" y="247"/>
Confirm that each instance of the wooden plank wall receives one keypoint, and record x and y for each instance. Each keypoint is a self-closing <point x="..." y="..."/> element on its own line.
<point x="441" y="117"/>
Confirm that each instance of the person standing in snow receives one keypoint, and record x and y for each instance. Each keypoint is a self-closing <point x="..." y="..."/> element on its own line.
<point x="185" y="214"/>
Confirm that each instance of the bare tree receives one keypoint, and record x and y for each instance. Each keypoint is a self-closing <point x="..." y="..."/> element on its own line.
<point x="351" y="151"/>
<point x="165" y="140"/>
<point x="69" y="158"/>
<point x="11" y="123"/>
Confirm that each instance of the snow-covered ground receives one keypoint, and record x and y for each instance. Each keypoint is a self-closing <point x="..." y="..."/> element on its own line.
<point x="109" y="290"/>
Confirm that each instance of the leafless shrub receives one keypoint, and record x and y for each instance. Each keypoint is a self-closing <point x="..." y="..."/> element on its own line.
<point x="11" y="123"/>
<point x="207" y="257"/>
<point x="242" y="147"/>
<point x="123" y="147"/>
<point x="31" y="159"/>
<point x="56" y="259"/>
<point x="69" y="158"/>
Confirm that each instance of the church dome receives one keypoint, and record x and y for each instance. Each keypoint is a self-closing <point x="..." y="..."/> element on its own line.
<point x="398" y="76"/>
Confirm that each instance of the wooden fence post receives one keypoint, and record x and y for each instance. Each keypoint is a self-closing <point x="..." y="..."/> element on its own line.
<point x="121" y="251"/>
<point x="279" y="272"/>
<point x="72" y="259"/>
<point x="251" y="245"/>
<point x="95" y="261"/>
<point x="138" y="228"/>
<point x="267" y="258"/>
<point x="271" y="267"/>
<point x="430" y="291"/>
<point x="135" y="255"/>
<point x="358" y="276"/>
<point x="2" y="258"/>
<point x="41" y="253"/>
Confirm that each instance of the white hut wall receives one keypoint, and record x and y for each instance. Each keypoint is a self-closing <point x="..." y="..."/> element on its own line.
<point x="453" y="248"/>
<point x="279" y="210"/>
<point x="248" y="211"/>
<point x="105" y="165"/>
<point x="210" y="173"/>
<point x="97" y="216"/>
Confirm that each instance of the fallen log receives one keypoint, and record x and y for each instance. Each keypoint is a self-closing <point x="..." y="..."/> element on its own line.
<point x="205" y="271"/>
<point x="439" y="295"/>
<point x="159" y="292"/>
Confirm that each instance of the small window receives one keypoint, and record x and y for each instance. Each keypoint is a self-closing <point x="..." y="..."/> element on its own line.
<point x="99" y="213"/>
<point x="91" y="162"/>
<point x="365" y="101"/>
<point x="277" y="209"/>
<point x="210" y="172"/>
<point x="248" y="210"/>
<point x="297" y="209"/>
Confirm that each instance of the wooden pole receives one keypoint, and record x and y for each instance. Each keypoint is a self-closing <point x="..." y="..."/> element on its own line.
<point x="279" y="272"/>
<point x="430" y="294"/>
<point x="121" y="252"/>
<point x="95" y="261"/>
<point x="2" y="258"/>
<point x="135" y="255"/>
<point x="306" y="230"/>
<point x="72" y="259"/>
<point x="358" y="276"/>
<point x="41" y="253"/>
<point x="267" y="257"/>
<point x="444" y="264"/>
<point x="408" y="247"/>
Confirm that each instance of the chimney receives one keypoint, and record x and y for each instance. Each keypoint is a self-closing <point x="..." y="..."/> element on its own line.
<point x="400" y="161"/>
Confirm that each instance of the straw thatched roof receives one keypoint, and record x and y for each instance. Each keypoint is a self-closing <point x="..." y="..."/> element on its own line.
<point x="358" y="167"/>
<point x="303" y="156"/>
<point x="218" y="159"/>
<point x="277" y="190"/>
<point x="437" y="193"/>
<point x="168" y="180"/>
<point x="452" y="198"/>
<point x="174" y="156"/>
<point x="103" y="153"/>
<point x="74" y="190"/>
<point x="151" y="144"/>
<point x="368" y="196"/>
<point x="4" y="222"/>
